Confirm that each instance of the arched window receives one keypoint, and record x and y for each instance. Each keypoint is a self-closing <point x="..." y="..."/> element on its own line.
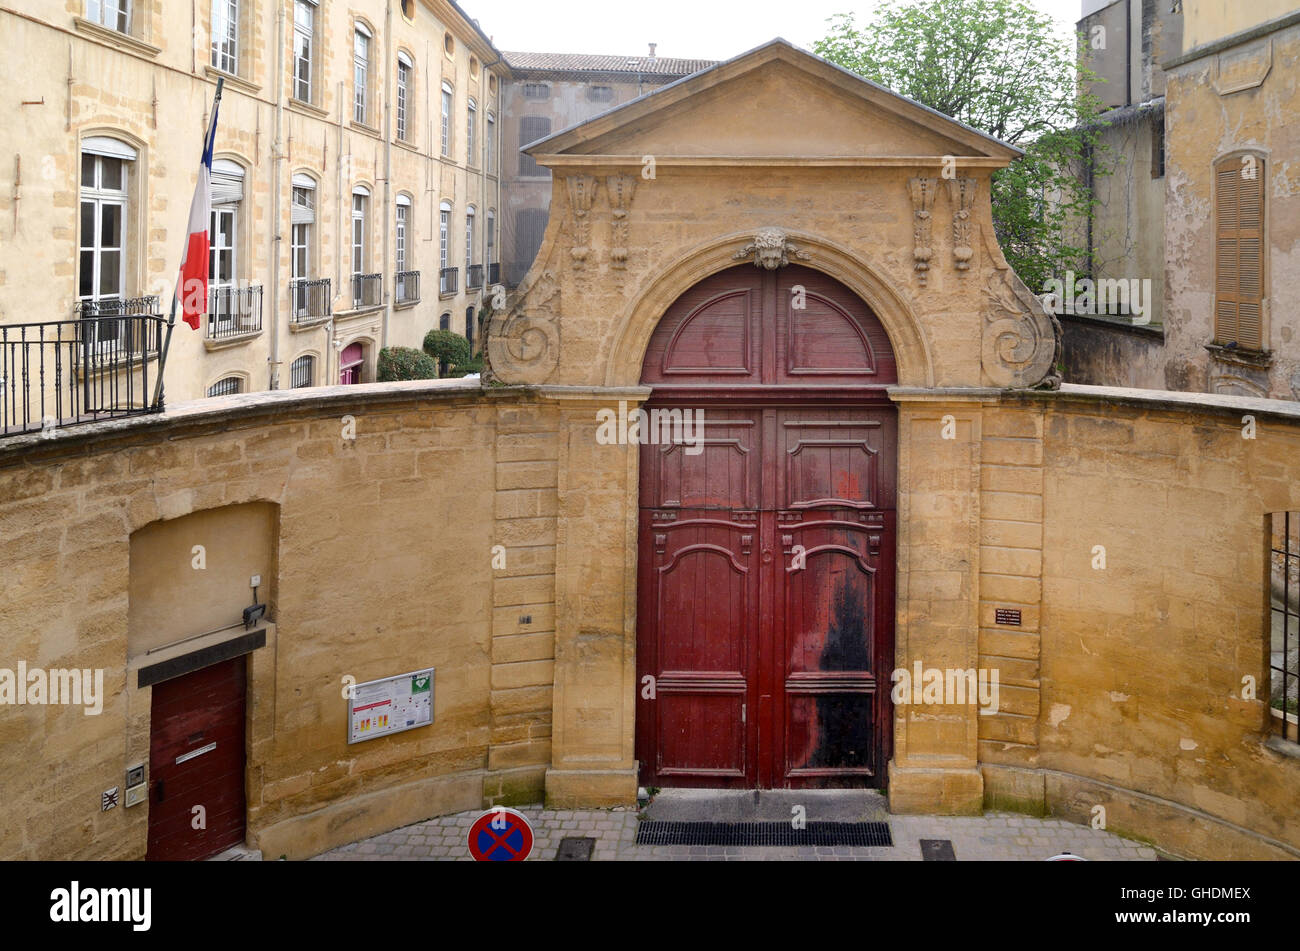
<point x="407" y="282"/>
<point x="492" y="277"/>
<point x="469" y="237"/>
<point x="226" y="387"/>
<point x="446" y="279"/>
<point x="302" y="248"/>
<point x="225" y="35"/>
<point x="446" y="118"/>
<point x="302" y="372"/>
<point x="405" y="67"/>
<point x="363" y="293"/>
<point x="469" y="327"/>
<point x="490" y="143"/>
<point x="226" y="315"/>
<point x="106" y="242"/>
<point x="444" y="322"/>
<point x="471" y="117"/>
<point x="360" y="73"/>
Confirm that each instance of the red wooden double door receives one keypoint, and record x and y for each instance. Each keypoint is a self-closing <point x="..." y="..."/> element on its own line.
<point x="767" y="533"/>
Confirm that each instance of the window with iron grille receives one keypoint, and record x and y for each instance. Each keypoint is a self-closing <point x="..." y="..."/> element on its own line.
<point x="537" y="91"/>
<point x="532" y="128"/>
<point x="469" y="327"/>
<point x="301" y="372"/>
<point x="403" y="214"/>
<point x="1239" y="259"/>
<point x="600" y="93"/>
<point x="225" y="35"/>
<point x="469" y="237"/>
<point x="227" y="387"/>
<point x="359" y="202"/>
<point x="1284" y="613"/>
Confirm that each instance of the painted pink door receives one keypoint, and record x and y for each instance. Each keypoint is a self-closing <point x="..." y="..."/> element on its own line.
<point x="350" y="363"/>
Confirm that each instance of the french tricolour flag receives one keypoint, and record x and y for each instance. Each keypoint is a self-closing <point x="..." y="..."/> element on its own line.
<point x="193" y="286"/>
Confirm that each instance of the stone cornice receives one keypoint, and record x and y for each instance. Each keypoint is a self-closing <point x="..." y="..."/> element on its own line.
<point x="569" y="160"/>
<point x="1236" y="39"/>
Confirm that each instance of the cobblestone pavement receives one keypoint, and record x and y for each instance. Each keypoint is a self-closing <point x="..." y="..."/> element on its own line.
<point x="992" y="836"/>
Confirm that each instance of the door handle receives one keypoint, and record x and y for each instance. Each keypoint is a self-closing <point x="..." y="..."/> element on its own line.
<point x="158" y="791"/>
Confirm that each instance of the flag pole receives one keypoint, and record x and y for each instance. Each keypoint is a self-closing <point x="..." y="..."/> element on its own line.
<point x="171" y="319"/>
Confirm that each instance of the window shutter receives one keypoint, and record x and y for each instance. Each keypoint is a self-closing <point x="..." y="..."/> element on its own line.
<point x="532" y="128"/>
<point x="300" y="214"/>
<point x="1239" y="264"/>
<point x="227" y="182"/>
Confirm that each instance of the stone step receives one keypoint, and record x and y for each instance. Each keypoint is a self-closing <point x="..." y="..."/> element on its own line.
<point x="767" y="805"/>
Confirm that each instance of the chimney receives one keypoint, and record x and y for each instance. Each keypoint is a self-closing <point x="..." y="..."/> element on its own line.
<point x="652" y="50"/>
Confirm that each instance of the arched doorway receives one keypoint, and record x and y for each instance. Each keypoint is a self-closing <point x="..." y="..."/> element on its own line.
<point x="351" y="362"/>
<point x="765" y="610"/>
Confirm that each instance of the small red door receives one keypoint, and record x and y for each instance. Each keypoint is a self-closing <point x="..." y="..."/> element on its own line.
<point x="351" y="361"/>
<point x="196" y="763"/>
<point x="765" y="585"/>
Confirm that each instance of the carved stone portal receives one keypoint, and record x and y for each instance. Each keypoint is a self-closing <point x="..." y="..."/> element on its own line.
<point x="771" y="249"/>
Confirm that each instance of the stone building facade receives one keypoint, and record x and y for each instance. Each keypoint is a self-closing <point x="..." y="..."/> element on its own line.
<point x="841" y="312"/>
<point x="548" y="92"/>
<point x="1218" y="247"/>
<point x="358" y="152"/>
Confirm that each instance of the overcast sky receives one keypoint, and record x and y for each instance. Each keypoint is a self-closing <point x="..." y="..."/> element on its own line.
<point x="701" y="29"/>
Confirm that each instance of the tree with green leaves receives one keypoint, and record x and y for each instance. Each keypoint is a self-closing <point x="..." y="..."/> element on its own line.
<point x="999" y="66"/>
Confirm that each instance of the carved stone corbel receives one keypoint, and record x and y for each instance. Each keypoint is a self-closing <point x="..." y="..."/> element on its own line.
<point x="922" y="190"/>
<point x="620" y="189"/>
<point x="961" y="192"/>
<point x="582" y="190"/>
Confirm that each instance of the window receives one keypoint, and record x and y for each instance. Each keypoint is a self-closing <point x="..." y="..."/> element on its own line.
<point x="105" y="236"/>
<point x="532" y="128"/>
<point x="471" y="113"/>
<point x="360" y="72"/>
<point x="403" y="93"/>
<point x="408" y="9"/>
<point x="227" y="387"/>
<point x="1239" y="260"/>
<point x="302" y="371"/>
<point x="469" y="327"/>
<point x="227" y="193"/>
<point x="473" y="67"/>
<point x="1158" y="147"/>
<point x="303" y="222"/>
<point x="360" y="202"/>
<point x="444" y="227"/>
<point x="403" y="218"/>
<point x="225" y="35"/>
<point x="448" y="44"/>
<point x="469" y="238"/>
<point x="304" y="38"/>
<point x="1284" y="636"/>
<point x="490" y="143"/>
<point x="446" y="119"/>
<point x="491" y="237"/>
<point x="600" y="93"/>
<point x="444" y="322"/>
<point x="537" y="91"/>
<point x="114" y="14"/>
<point x="528" y="239"/>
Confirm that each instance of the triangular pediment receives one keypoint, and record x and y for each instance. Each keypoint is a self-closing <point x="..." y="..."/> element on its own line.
<point x="775" y="102"/>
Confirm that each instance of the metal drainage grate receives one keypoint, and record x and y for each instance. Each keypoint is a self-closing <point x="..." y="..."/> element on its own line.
<point x="763" y="833"/>
<point x="575" y="849"/>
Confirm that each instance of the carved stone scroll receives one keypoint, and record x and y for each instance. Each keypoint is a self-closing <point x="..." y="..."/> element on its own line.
<point x="525" y="347"/>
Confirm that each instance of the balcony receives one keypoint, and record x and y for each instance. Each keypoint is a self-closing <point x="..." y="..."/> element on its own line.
<point x="406" y="287"/>
<point x="99" y="365"/>
<point x="234" y="313"/>
<point x="473" y="276"/>
<point x="448" y="280"/>
<point x="494" y="273"/>
<point x="310" y="302"/>
<point x="367" y="290"/>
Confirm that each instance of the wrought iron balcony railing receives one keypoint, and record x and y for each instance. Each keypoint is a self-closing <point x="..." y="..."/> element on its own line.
<point x="447" y="280"/>
<point x="367" y="290"/>
<point x="406" y="287"/>
<point x="96" y="366"/>
<point x="310" y="300"/>
<point x="234" y="312"/>
<point x="494" y="273"/>
<point x="473" y="276"/>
